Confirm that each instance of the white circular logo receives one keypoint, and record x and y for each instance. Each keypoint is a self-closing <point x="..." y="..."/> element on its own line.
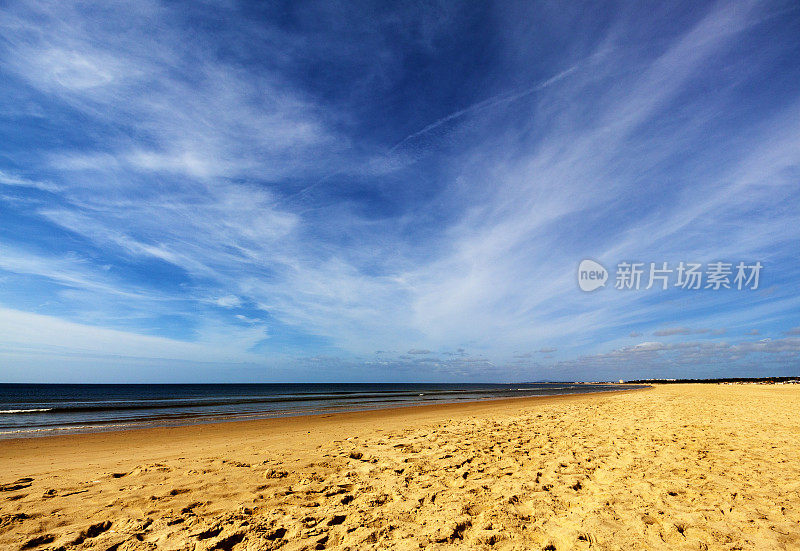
<point x="591" y="275"/>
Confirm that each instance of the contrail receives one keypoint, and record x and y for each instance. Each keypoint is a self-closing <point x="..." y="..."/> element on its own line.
<point x="485" y="104"/>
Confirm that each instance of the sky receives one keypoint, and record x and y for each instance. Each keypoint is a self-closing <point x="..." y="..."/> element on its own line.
<point x="227" y="191"/>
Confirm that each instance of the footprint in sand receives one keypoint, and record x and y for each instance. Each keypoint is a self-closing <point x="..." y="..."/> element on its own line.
<point x="92" y="532"/>
<point x="228" y="543"/>
<point x="208" y="534"/>
<point x="189" y="509"/>
<point x="38" y="540"/>
<point x="277" y="534"/>
<point x="336" y="520"/>
<point x="6" y="520"/>
<point x="50" y="493"/>
<point x="16" y="485"/>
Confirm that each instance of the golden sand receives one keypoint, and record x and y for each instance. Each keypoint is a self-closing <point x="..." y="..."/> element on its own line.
<point x="675" y="467"/>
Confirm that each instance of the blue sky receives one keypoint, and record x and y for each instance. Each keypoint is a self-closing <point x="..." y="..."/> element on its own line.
<point x="326" y="191"/>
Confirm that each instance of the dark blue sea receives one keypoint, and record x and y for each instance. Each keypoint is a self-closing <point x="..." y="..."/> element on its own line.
<point x="46" y="409"/>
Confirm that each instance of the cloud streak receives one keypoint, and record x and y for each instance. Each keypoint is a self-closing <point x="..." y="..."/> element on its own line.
<point x="293" y="196"/>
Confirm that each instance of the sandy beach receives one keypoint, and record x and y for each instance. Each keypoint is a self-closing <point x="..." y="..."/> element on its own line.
<point x="673" y="467"/>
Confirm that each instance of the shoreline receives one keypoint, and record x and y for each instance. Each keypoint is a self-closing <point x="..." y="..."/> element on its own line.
<point x="192" y="420"/>
<point x="267" y="431"/>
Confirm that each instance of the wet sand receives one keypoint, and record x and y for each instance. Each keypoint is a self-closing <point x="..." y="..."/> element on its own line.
<point x="674" y="467"/>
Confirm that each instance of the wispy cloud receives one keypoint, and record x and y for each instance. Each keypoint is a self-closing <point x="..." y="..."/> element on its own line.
<point x="12" y="180"/>
<point x="673" y="331"/>
<point x="283" y="192"/>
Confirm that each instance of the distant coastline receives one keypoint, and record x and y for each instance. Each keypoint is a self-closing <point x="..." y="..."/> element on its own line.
<point x="729" y="380"/>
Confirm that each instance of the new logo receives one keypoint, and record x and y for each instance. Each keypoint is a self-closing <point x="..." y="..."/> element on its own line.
<point x="591" y="275"/>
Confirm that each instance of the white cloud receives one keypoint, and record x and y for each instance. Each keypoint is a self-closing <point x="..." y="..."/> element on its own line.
<point x="649" y="346"/>
<point x="35" y="333"/>
<point x="193" y="181"/>
<point x="69" y="271"/>
<point x="228" y="301"/>
<point x="7" y="179"/>
<point x="673" y="331"/>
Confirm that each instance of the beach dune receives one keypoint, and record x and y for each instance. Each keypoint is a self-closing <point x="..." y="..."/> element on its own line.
<point x="673" y="467"/>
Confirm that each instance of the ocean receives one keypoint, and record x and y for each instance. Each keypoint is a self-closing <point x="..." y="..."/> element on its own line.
<point x="28" y="410"/>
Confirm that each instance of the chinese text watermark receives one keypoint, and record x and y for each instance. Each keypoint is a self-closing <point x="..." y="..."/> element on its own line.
<point x="662" y="276"/>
